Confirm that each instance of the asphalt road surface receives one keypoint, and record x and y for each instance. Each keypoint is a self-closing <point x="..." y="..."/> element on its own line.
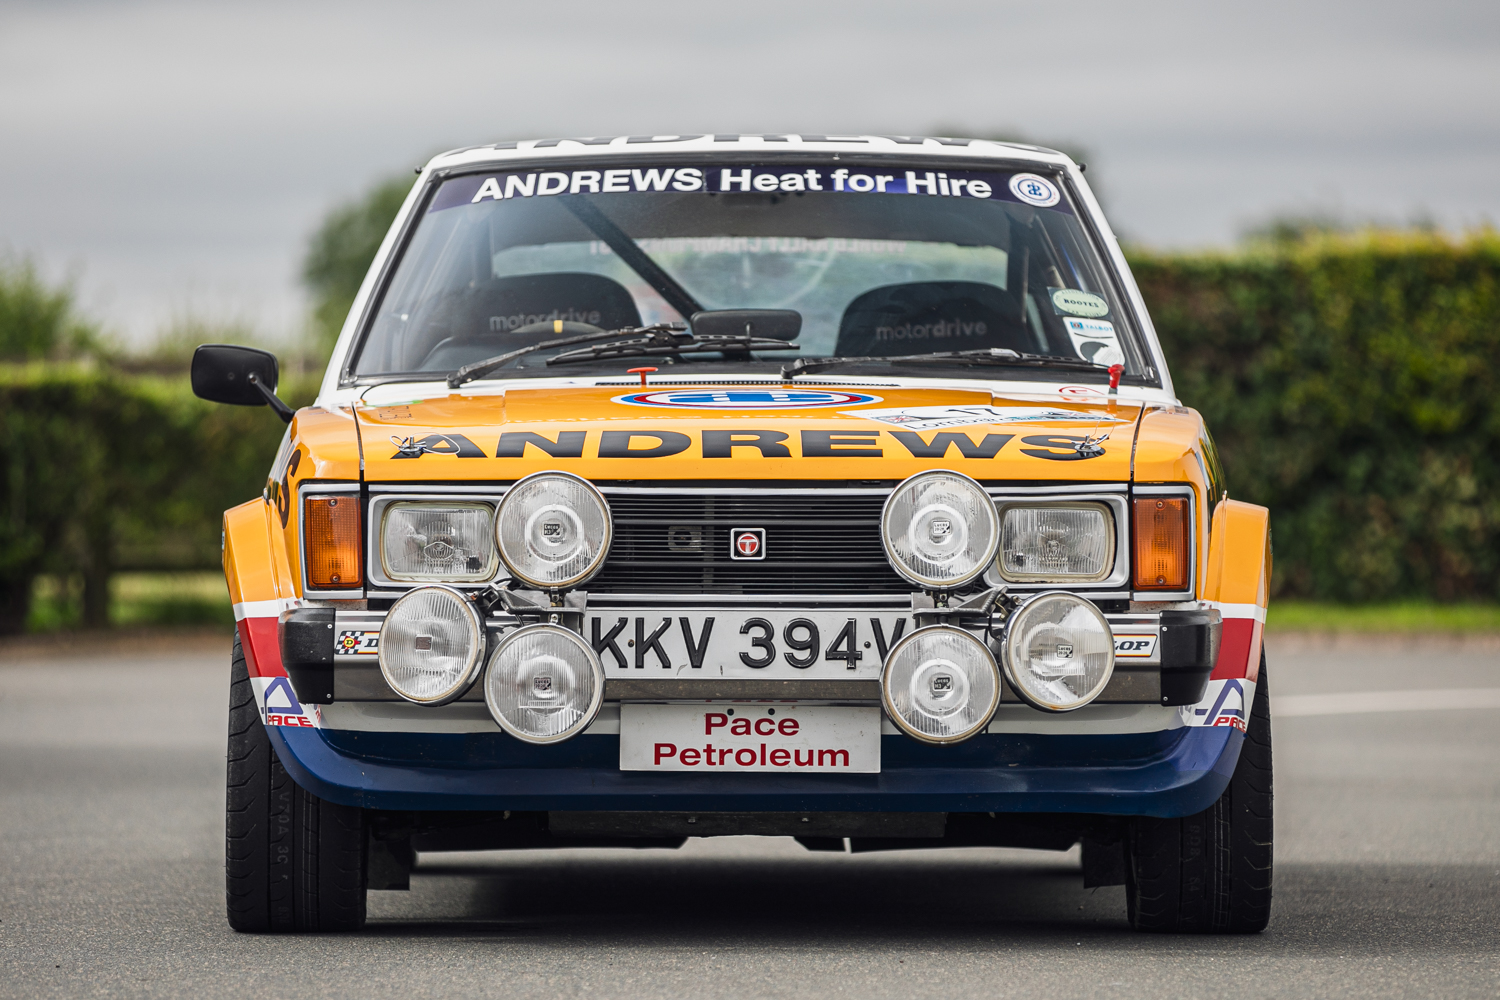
<point x="1387" y="881"/>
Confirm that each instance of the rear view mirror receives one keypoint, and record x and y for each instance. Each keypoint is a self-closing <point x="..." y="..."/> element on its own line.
<point x="240" y="376"/>
<point x="775" y="324"/>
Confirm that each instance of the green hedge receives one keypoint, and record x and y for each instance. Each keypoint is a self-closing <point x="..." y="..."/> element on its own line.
<point x="101" y="472"/>
<point x="1351" y="385"/>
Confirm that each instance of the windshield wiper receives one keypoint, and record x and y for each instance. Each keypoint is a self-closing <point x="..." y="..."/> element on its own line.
<point x="670" y="338"/>
<point x="1001" y="356"/>
<point x="602" y="226"/>
<point x="480" y="369"/>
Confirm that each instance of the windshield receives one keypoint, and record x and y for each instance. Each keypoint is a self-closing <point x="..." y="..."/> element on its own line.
<point x="878" y="261"/>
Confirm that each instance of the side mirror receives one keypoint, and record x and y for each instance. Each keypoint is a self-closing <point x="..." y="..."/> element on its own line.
<point x="240" y="376"/>
<point x="774" y="324"/>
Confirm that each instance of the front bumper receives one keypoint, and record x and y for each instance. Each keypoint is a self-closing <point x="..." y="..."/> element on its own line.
<point x="1175" y="772"/>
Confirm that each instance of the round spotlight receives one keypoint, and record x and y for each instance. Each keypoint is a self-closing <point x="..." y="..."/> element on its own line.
<point x="545" y="684"/>
<point x="1059" y="651"/>
<point x="431" y="645"/>
<point x="940" y="684"/>
<point x="553" y="530"/>
<point x="940" y="529"/>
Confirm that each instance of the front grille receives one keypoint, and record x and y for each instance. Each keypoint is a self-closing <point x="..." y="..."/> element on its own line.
<point x="676" y="543"/>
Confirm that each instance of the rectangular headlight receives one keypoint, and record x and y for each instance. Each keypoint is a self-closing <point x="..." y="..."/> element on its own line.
<point x="450" y="542"/>
<point x="1056" y="542"/>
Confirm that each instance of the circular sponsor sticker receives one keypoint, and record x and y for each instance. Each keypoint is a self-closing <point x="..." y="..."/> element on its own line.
<point x="1080" y="390"/>
<point x="745" y="399"/>
<point x="1075" y="303"/>
<point x="1034" y="190"/>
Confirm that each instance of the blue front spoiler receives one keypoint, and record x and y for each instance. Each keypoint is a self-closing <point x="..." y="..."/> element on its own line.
<point x="1177" y="772"/>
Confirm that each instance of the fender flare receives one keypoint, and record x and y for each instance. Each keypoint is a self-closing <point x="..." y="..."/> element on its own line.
<point x="260" y="583"/>
<point x="1238" y="584"/>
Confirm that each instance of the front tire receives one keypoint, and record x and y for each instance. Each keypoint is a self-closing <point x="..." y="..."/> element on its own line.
<point x="1210" y="872"/>
<point x="292" y="862"/>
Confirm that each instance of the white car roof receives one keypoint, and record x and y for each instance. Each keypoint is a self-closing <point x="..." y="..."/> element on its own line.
<point x="522" y="150"/>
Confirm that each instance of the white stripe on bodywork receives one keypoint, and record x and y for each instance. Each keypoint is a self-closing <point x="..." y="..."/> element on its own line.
<point x="1240" y="610"/>
<point x="1098" y="720"/>
<point x="265" y="609"/>
<point x="1291" y="706"/>
<point x="458" y="717"/>
<point x="404" y="717"/>
<point x="474" y="717"/>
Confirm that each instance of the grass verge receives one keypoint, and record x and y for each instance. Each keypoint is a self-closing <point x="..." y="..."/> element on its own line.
<point x="1399" y="616"/>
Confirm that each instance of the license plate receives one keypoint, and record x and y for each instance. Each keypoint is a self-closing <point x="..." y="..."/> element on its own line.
<point x="764" y="644"/>
<point x="719" y="738"/>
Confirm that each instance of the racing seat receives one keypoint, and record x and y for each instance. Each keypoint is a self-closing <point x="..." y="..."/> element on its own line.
<point x="923" y="316"/>
<point x="493" y="318"/>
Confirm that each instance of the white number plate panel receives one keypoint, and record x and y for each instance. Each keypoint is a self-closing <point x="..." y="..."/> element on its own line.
<point x="719" y="738"/>
<point x="732" y="643"/>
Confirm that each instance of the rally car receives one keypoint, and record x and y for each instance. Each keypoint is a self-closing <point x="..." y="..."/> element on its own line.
<point x="675" y="486"/>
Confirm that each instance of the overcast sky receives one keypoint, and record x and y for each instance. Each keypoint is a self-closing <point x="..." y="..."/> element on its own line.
<point x="174" y="157"/>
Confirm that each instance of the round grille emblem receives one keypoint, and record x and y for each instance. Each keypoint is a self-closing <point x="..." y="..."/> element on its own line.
<point x="748" y="543"/>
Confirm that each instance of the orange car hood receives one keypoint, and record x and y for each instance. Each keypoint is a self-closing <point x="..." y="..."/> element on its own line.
<point x="714" y="433"/>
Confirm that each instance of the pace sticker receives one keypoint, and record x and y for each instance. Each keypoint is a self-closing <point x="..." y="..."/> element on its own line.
<point x="745" y="399"/>
<point x="1094" y="340"/>
<point x="1224" y="703"/>
<point x="279" y="705"/>
<point x="1072" y="302"/>
<point x="1034" y="189"/>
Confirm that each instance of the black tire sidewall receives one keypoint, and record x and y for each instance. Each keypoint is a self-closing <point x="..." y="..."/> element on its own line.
<point x="292" y="861"/>
<point x="1211" y="872"/>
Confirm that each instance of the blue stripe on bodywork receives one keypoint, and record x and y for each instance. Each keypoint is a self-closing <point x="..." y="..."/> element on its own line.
<point x="1173" y="773"/>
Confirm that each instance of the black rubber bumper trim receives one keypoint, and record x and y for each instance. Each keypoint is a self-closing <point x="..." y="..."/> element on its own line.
<point x="307" y="636"/>
<point x="1189" y="646"/>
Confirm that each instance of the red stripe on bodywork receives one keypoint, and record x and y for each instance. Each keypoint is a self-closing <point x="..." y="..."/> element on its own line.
<point x="1239" y="649"/>
<point x="263" y="647"/>
<point x="1252" y="661"/>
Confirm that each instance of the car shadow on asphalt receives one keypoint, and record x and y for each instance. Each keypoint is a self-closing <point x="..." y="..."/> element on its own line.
<point x="932" y="897"/>
<point x="791" y="890"/>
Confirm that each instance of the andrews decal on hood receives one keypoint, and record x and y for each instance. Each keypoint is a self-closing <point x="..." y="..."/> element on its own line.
<point x="436" y="444"/>
<point x="739" y="442"/>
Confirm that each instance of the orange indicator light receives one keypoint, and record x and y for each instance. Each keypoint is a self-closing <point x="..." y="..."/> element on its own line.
<point x="333" y="543"/>
<point x="1161" y="543"/>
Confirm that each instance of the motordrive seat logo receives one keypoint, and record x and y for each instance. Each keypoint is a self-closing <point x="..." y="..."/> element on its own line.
<point x="745" y="399"/>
